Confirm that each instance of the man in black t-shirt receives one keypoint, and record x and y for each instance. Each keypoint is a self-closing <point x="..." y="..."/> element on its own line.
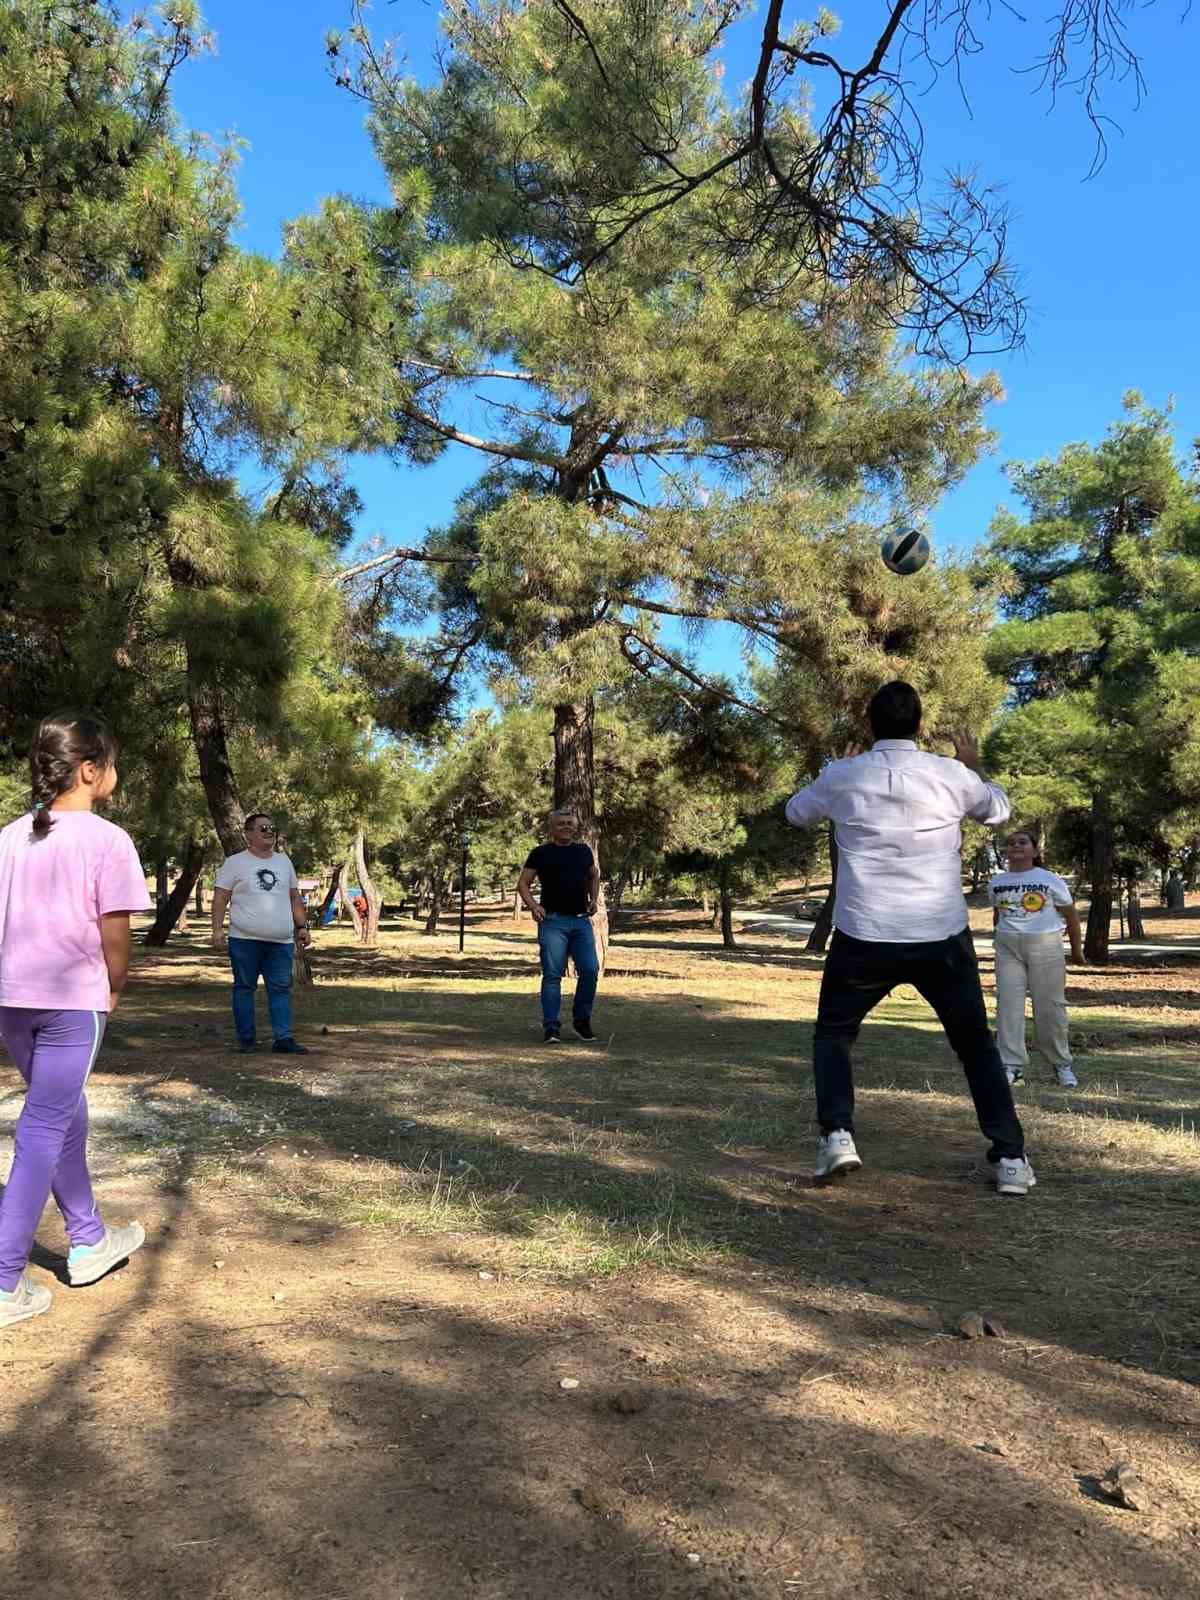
<point x="570" y="883"/>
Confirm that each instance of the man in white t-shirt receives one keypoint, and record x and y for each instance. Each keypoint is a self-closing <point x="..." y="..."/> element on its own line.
<point x="1030" y="907"/>
<point x="266" y="913"/>
<point x="900" y="917"/>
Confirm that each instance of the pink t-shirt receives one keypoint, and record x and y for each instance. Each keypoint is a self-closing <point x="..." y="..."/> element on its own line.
<point x="53" y="891"/>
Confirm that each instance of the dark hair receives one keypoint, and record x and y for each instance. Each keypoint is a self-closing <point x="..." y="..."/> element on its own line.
<point x="1037" y="854"/>
<point x="253" y="817"/>
<point x="61" y="745"/>
<point x="895" y="711"/>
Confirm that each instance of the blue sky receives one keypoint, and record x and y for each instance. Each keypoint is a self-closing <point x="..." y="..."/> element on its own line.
<point x="1110" y="266"/>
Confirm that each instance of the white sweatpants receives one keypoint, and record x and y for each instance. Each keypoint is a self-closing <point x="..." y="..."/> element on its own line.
<point x="1033" y="964"/>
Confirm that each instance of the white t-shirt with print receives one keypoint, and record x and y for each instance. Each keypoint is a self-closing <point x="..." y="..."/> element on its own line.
<point x="1026" y="900"/>
<point x="261" y="889"/>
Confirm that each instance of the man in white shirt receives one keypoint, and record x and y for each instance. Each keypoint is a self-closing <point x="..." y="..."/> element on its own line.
<point x="266" y="912"/>
<point x="900" y="917"/>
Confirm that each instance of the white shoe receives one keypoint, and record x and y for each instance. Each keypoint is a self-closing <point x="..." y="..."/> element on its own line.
<point x="1014" y="1075"/>
<point x="1066" y="1078"/>
<point x="86" y="1265"/>
<point x="28" y="1299"/>
<point x="836" y="1156"/>
<point x="1014" y="1175"/>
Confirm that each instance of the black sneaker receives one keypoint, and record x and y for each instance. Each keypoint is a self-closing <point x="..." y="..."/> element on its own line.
<point x="583" y="1029"/>
<point x="289" y="1047"/>
<point x="247" y="1047"/>
<point x="551" y="1036"/>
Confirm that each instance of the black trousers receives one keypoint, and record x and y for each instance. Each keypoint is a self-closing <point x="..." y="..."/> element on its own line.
<point x="859" y="973"/>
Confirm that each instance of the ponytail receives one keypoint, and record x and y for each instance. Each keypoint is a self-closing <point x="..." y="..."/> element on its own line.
<point x="61" y="745"/>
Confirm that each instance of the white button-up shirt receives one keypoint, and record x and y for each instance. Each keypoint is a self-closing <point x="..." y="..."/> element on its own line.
<point x="897" y="813"/>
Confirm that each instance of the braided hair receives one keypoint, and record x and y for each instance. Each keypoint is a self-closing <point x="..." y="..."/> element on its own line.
<point x="61" y="745"/>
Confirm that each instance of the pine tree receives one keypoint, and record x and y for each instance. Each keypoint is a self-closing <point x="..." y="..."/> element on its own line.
<point x="671" y="443"/>
<point x="1099" y="646"/>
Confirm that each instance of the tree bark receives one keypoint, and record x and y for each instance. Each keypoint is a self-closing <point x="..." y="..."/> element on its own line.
<point x="216" y="774"/>
<point x="200" y="897"/>
<point x="575" y="788"/>
<point x="170" y="909"/>
<point x="437" y="890"/>
<point x="819" y="937"/>
<point x="330" y="893"/>
<point x="517" y="907"/>
<point x="162" y="883"/>
<point x="727" y="938"/>
<point x="345" y="899"/>
<point x="1137" y="929"/>
<point x="1095" y="943"/>
<point x="369" y="930"/>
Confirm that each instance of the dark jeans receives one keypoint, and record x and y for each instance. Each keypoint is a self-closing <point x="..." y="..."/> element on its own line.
<point x="859" y="973"/>
<point x="559" y="937"/>
<point x="249" y="958"/>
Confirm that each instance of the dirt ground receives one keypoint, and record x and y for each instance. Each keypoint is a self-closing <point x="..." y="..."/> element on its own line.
<point x="435" y="1310"/>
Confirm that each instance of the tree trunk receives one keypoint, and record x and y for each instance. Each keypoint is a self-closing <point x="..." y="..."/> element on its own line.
<point x="437" y="890"/>
<point x="330" y="893"/>
<point x="517" y="906"/>
<point x="369" y="931"/>
<point x="1137" y="928"/>
<point x="575" y="788"/>
<point x="169" y="910"/>
<point x="199" y="897"/>
<point x="620" y="883"/>
<point x="1095" y="944"/>
<point x="706" y="901"/>
<point x="162" y="882"/>
<point x="819" y="937"/>
<point x="345" y="899"/>
<point x="727" y="939"/>
<point x="216" y="774"/>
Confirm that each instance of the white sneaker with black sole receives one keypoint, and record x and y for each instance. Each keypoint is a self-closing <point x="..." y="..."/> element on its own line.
<point x="836" y="1157"/>
<point x="1066" y="1078"/>
<point x="1013" y="1175"/>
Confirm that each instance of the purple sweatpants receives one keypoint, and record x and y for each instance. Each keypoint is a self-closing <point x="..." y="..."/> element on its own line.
<point x="53" y="1051"/>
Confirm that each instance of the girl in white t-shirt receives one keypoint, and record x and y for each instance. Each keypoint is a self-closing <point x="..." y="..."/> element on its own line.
<point x="1029" y="908"/>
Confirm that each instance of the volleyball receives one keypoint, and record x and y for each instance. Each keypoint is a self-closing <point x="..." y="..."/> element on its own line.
<point x="905" y="551"/>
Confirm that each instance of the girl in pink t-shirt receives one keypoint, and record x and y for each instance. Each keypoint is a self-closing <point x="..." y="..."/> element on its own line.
<point x="68" y="882"/>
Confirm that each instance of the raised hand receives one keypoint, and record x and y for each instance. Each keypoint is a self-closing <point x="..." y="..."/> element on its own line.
<point x="965" y="749"/>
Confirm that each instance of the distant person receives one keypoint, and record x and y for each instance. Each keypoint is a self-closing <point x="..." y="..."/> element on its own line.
<point x="266" y="915"/>
<point x="570" y="887"/>
<point x="68" y="883"/>
<point x="900" y="917"/>
<point x="1030" y="907"/>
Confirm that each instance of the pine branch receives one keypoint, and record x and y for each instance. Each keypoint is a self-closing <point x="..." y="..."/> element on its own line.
<point x="397" y="555"/>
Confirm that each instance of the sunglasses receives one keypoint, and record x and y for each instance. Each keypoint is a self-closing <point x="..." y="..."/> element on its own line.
<point x="266" y="827"/>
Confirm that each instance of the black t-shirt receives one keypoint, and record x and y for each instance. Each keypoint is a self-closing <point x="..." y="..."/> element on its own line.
<point x="564" y="872"/>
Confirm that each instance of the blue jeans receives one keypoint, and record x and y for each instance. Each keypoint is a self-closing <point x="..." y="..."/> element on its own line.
<point x="558" y="938"/>
<point x="249" y="958"/>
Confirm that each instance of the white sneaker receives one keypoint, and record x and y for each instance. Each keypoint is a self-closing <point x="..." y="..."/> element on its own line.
<point x="836" y="1156"/>
<point x="28" y="1299"/>
<point x="1014" y="1075"/>
<point x="1014" y="1175"/>
<point x="1066" y="1078"/>
<point x="85" y="1265"/>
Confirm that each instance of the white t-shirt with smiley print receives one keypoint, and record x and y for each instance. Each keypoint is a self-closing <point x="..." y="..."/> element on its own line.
<point x="1026" y="901"/>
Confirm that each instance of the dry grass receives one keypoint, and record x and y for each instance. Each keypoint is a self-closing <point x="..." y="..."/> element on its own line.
<point x="430" y="1107"/>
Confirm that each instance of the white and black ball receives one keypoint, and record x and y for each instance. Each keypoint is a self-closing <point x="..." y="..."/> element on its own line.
<point x="905" y="551"/>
